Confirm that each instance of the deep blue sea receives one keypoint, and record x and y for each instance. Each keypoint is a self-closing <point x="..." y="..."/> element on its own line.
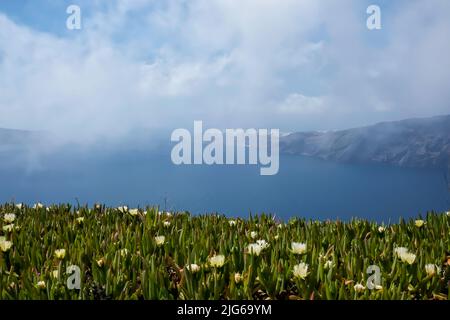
<point x="303" y="187"/>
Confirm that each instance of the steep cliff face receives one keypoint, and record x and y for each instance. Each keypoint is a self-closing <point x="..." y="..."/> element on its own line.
<point x="411" y="143"/>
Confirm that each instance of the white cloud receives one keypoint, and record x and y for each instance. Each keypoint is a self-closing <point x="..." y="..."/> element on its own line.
<point x="298" y="104"/>
<point x="148" y="65"/>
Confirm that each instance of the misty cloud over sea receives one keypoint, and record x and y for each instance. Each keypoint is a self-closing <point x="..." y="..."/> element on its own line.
<point x="146" y="68"/>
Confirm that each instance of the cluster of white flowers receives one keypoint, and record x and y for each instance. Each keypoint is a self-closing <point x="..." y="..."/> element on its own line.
<point x="405" y="255"/>
<point x="123" y="209"/>
<point x="133" y="212"/>
<point x="38" y="205"/>
<point x="253" y="234"/>
<point x="9" y="217"/>
<point x="258" y="247"/>
<point x="166" y="213"/>
<point x="262" y="243"/>
<point x="254" y="248"/>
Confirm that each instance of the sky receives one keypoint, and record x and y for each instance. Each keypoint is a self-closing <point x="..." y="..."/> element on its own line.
<point x="149" y="66"/>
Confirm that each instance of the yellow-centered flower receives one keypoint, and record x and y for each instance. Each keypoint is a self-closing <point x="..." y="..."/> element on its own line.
<point x="301" y="270"/>
<point x="217" y="261"/>
<point x="60" y="253"/>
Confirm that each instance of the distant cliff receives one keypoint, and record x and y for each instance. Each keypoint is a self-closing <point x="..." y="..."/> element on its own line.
<point x="15" y="137"/>
<point x="422" y="142"/>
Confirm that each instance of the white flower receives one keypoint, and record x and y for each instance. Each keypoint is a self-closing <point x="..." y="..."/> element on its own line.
<point x="19" y="206"/>
<point x="38" y="205"/>
<point x="237" y="277"/>
<point x="405" y="255"/>
<point x="8" y="227"/>
<point x="359" y="287"/>
<point x="277" y="237"/>
<point x="253" y="234"/>
<point x="123" y="209"/>
<point x="432" y="269"/>
<point x="80" y="220"/>
<point x="193" y="268"/>
<point x="217" y="261"/>
<point x="9" y="217"/>
<point x="160" y="240"/>
<point x="166" y="224"/>
<point x="41" y="285"/>
<point x="378" y="287"/>
<point x="55" y="274"/>
<point x="60" y="253"/>
<point x="419" y="223"/>
<point x="381" y="229"/>
<point x="124" y="252"/>
<point x="399" y="251"/>
<point x="5" y="245"/>
<point x="100" y="262"/>
<point x="408" y="257"/>
<point x="263" y="244"/>
<point x="168" y="214"/>
<point x="329" y="264"/>
<point x="254" y="248"/>
<point x="298" y="247"/>
<point x="232" y="223"/>
<point x="133" y="212"/>
<point x="448" y="213"/>
<point x="301" y="270"/>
